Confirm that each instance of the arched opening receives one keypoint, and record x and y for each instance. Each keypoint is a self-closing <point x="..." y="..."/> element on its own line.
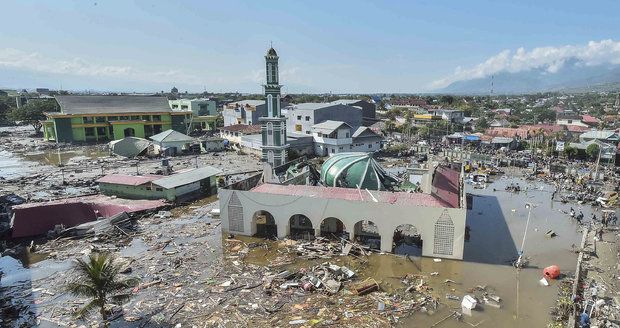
<point x="265" y="225"/>
<point x="367" y="233"/>
<point x="129" y="132"/>
<point x="333" y="228"/>
<point x="407" y="240"/>
<point x="301" y="227"/>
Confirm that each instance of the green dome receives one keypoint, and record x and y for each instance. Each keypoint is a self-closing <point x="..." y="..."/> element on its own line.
<point x="355" y="170"/>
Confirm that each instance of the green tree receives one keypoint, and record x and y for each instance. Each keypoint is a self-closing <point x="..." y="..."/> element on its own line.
<point x="570" y="152"/>
<point x="98" y="279"/>
<point x="482" y="124"/>
<point x="6" y="106"/>
<point x="33" y="113"/>
<point x="592" y="151"/>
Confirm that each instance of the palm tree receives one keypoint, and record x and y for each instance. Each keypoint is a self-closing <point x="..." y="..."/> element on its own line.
<point x="98" y="279"/>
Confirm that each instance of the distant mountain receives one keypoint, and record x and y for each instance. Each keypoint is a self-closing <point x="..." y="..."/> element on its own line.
<point x="572" y="77"/>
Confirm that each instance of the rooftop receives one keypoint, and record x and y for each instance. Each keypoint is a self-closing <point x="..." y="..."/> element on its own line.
<point x="171" y="136"/>
<point x="312" y="106"/>
<point x="187" y="177"/>
<point x="243" y="128"/>
<point x="353" y="194"/>
<point x="329" y="126"/>
<point x="112" y="104"/>
<point x="128" y="180"/>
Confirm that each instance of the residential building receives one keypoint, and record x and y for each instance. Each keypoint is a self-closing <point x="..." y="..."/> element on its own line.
<point x="570" y="119"/>
<point x="104" y="118"/>
<point x="450" y="115"/>
<point x="606" y="136"/>
<point x="244" y="112"/>
<point x="332" y="137"/>
<point x="233" y="133"/>
<point x="301" y="117"/>
<point x="499" y="123"/>
<point x="182" y="185"/>
<point x="369" y="110"/>
<point x="171" y="142"/>
<point x="200" y="107"/>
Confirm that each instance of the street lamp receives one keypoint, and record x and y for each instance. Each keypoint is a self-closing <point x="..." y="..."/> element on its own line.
<point x="521" y="261"/>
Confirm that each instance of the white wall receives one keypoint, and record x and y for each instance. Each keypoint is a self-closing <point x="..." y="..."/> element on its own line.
<point x="386" y="216"/>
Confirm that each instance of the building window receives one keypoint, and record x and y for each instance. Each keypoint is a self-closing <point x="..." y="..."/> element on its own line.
<point x="175" y="106"/>
<point x="346" y="135"/>
<point x="269" y="105"/>
<point x="270" y="157"/>
<point x="350" y="146"/>
<point x="146" y="117"/>
<point x="183" y="106"/>
<point x="87" y="119"/>
<point x="339" y="148"/>
<point x="269" y="134"/>
<point x="278" y="100"/>
<point x="90" y="132"/>
<point x="159" y="189"/>
<point x="269" y="69"/>
<point x="299" y="117"/>
<point x="298" y="127"/>
<point x="307" y="132"/>
<point x="307" y="118"/>
<point x="100" y="119"/>
<point x="101" y="132"/>
<point x="156" y="118"/>
<point x="332" y="150"/>
<point x="112" y="118"/>
<point x="135" y="117"/>
<point x="369" y="146"/>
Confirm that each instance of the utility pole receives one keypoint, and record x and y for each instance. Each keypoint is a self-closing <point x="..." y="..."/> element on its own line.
<point x="598" y="160"/>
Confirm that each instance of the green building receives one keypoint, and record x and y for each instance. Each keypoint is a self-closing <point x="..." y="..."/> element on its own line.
<point x="183" y="185"/>
<point x="105" y="118"/>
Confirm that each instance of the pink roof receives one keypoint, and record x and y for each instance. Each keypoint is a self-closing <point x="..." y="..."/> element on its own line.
<point x="32" y="219"/>
<point x="589" y="119"/>
<point x="128" y="180"/>
<point x="351" y="194"/>
<point x="577" y="128"/>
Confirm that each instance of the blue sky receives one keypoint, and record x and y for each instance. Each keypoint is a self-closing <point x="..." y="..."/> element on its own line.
<point x="338" y="46"/>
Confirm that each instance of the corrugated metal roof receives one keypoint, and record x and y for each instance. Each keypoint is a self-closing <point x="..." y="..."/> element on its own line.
<point x="352" y="194"/>
<point x="128" y="180"/>
<point x="171" y="136"/>
<point x="595" y="134"/>
<point x="329" y="126"/>
<point x="187" y="177"/>
<point x="112" y="104"/>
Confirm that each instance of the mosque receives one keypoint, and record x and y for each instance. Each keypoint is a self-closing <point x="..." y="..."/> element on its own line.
<point x="350" y="196"/>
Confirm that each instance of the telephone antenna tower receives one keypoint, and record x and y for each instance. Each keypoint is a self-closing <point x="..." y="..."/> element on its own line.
<point x="492" y="77"/>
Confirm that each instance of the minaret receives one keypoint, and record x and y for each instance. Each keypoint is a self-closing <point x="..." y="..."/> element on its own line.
<point x="273" y="123"/>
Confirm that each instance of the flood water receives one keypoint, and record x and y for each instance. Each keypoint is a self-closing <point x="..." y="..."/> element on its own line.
<point x="497" y="221"/>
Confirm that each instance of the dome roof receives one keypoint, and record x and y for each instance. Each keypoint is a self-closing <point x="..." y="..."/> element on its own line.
<point x="272" y="52"/>
<point x="355" y="170"/>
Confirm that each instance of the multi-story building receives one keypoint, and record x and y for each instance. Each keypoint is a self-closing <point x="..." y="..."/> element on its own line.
<point x="103" y="118"/>
<point x="332" y="137"/>
<point x="301" y="117"/>
<point x="369" y="110"/>
<point x="244" y="112"/>
<point x="273" y="122"/>
<point x="200" y="107"/>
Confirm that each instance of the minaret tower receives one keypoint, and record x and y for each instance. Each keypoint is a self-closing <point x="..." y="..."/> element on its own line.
<point x="273" y="123"/>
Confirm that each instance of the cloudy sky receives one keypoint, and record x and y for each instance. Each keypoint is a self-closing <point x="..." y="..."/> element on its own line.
<point x="337" y="46"/>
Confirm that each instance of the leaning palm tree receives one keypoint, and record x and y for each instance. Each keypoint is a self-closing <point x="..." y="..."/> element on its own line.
<point x="98" y="279"/>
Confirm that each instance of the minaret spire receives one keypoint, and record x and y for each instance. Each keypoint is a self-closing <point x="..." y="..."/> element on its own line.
<point x="273" y="123"/>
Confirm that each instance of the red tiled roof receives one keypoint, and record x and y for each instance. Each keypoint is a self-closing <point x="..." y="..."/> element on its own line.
<point x="589" y="119"/>
<point x="243" y="128"/>
<point x="128" y="180"/>
<point x="351" y="194"/>
<point x="577" y="128"/>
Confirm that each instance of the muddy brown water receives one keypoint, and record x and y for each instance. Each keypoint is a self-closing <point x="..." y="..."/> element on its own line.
<point x="497" y="221"/>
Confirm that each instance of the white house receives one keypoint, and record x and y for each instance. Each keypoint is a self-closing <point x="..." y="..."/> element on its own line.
<point x="332" y="137"/>
<point x="171" y="141"/>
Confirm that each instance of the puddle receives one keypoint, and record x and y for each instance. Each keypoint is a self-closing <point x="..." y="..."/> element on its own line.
<point x="12" y="167"/>
<point x="58" y="157"/>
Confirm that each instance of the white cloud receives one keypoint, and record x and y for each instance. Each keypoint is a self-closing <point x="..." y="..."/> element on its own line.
<point x="551" y="59"/>
<point x="33" y="61"/>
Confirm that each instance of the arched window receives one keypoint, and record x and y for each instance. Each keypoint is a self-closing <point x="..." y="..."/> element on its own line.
<point x="269" y="69"/>
<point x="269" y="105"/>
<point x="283" y="134"/>
<point x="269" y="134"/>
<point x="270" y="158"/>
<point x="278" y="105"/>
<point x="275" y="74"/>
